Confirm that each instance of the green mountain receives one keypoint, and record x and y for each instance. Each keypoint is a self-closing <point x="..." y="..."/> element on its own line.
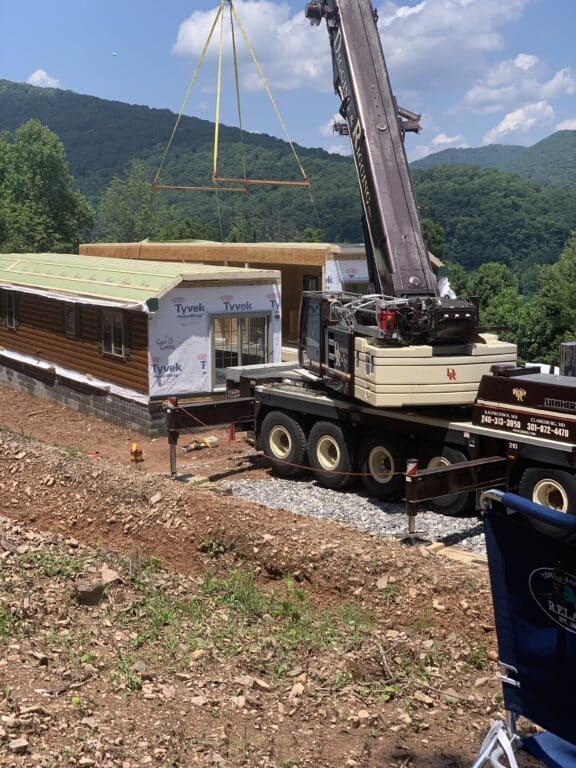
<point x="493" y="156"/>
<point x="550" y="161"/>
<point x="486" y="214"/>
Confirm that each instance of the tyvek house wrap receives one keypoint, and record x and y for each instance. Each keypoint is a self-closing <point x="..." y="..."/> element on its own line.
<point x="341" y="270"/>
<point x="180" y="344"/>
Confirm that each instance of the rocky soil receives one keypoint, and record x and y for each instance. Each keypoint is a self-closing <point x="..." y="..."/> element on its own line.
<point x="147" y="622"/>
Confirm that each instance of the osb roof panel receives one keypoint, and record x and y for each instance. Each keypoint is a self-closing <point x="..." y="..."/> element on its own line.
<point x="288" y="253"/>
<point x="124" y="280"/>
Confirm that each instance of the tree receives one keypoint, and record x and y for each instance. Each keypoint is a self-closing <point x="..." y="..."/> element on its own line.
<point x="434" y="235"/>
<point x="549" y="317"/>
<point x="130" y="209"/>
<point x="458" y="278"/>
<point x="185" y="229"/>
<point x="312" y="235"/>
<point x="489" y="280"/>
<point x="39" y="208"/>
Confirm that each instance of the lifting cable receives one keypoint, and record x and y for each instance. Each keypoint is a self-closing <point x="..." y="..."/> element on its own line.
<point x="244" y="181"/>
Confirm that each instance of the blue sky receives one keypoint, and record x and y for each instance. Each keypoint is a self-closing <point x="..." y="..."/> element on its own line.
<point x="479" y="71"/>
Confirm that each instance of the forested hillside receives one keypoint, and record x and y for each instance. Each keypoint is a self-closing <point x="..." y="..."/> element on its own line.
<point x="550" y="161"/>
<point x="481" y="214"/>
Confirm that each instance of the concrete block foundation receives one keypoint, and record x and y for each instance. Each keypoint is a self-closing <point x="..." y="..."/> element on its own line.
<point x="48" y="385"/>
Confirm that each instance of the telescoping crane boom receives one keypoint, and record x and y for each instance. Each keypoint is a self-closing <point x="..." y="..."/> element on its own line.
<point x="398" y="259"/>
<point x="376" y="125"/>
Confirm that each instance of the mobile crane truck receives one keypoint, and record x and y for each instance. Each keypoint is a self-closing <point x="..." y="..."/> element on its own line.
<point x="403" y="372"/>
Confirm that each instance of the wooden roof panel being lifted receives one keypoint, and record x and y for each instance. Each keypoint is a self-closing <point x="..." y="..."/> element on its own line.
<point x="130" y="283"/>
<point x="304" y="254"/>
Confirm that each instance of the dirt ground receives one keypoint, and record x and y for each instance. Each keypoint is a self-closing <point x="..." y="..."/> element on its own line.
<point x="220" y="632"/>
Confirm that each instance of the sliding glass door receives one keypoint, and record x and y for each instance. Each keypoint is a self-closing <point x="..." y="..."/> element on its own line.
<point x="238" y="340"/>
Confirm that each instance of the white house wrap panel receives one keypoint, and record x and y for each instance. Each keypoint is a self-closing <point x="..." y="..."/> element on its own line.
<point x="340" y="271"/>
<point x="186" y="343"/>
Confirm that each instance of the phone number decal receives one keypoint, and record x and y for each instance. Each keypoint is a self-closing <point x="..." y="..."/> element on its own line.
<point x="523" y="423"/>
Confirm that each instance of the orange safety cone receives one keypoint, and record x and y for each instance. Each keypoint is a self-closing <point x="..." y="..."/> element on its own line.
<point x="136" y="454"/>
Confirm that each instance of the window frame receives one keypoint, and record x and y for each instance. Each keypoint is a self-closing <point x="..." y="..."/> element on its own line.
<point x="116" y="321"/>
<point x="71" y="310"/>
<point x="11" y="305"/>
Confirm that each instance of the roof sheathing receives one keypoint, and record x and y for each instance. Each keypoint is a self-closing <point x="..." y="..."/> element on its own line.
<point x="304" y="254"/>
<point x="129" y="282"/>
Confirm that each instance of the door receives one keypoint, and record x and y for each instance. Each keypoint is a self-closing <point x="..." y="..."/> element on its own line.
<point x="238" y="340"/>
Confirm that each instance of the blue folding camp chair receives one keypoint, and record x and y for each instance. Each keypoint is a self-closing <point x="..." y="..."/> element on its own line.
<point x="532" y="561"/>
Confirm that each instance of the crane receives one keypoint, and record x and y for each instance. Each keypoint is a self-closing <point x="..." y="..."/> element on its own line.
<point x="408" y="308"/>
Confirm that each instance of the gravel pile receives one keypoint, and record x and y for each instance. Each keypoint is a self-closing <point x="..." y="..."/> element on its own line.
<point x="383" y="518"/>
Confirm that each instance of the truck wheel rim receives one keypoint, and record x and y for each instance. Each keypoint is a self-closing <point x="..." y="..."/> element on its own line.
<point x="551" y="494"/>
<point x="438" y="461"/>
<point x="381" y="465"/>
<point x="280" y="442"/>
<point x="328" y="453"/>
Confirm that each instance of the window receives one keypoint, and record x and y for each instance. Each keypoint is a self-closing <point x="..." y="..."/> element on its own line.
<point x="71" y="319"/>
<point x="310" y="283"/>
<point x="238" y="340"/>
<point x="9" y="309"/>
<point x="114" y="332"/>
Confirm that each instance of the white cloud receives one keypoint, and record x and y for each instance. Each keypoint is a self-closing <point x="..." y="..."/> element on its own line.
<point x="42" y="79"/>
<point x="567" y="125"/>
<point x="521" y="120"/>
<point x="291" y="52"/>
<point x="443" y="42"/>
<point x="526" y="61"/>
<point x="515" y="81"/>
<point x="441" y="141"/>
<point x="421" y="42"/>
<point x="420" y="151"/>
<point x="340" y="149"/>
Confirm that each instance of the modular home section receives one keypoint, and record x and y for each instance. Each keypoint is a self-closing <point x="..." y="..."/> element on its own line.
<point x="113" y="337"/>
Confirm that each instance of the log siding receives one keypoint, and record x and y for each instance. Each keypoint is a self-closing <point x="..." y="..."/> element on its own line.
<point x="40" y="332"/>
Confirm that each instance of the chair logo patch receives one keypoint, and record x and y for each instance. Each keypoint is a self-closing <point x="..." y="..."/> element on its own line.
<point x="555" y="593"/>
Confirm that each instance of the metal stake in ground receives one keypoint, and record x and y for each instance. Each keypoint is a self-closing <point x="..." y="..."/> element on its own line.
<point x="413" y="536"/>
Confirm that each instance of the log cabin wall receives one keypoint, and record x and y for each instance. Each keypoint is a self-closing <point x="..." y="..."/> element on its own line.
<point x="40" y="333"/>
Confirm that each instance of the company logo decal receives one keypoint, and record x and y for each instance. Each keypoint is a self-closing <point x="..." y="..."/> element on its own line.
<point x="274" y="300"/>
<point x="451" y="373"/>
<point x="188" y="310"/>
<point x="555" y="593"/>
<point x="166" y="372"/>
<point x="165" y="342"/>
<point x="234" y="306"/>
<point x="203" y="362"/>
<point x="519" y="394"/>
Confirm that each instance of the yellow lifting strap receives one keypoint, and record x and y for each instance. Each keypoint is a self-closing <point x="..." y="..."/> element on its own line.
<point x="244" y="181"/>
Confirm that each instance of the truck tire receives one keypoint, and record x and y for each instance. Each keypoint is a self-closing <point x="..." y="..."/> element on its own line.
<point x="453" y="503"/>
<point x="284" y="443"/>
<point x="382" y="464"/>
<point x="331" y="455"/>
<point x="553" y="488"/>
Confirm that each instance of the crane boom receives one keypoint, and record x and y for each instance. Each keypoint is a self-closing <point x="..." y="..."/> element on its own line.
<point x="397" y="253"/>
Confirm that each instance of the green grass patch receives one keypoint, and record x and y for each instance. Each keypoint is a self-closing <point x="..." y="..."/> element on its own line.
<point x="53" y="563"/>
